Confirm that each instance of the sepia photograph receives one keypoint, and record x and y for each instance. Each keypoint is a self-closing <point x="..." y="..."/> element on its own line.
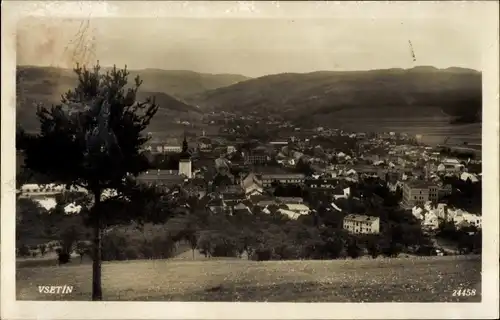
<point x="244" y="158"/>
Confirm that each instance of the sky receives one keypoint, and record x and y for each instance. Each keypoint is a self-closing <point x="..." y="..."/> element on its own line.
<point x="251" y="47"/>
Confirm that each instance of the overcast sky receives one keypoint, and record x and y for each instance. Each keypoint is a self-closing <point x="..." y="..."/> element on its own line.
<point x="254" y="47"/>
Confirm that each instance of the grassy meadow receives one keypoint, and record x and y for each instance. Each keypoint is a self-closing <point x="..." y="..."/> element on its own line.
<point x="419" y="279"/>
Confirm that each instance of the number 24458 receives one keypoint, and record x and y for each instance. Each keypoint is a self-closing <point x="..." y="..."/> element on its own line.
<point x="464" y="293"/>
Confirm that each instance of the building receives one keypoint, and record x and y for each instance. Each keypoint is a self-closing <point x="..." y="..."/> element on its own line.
<point x="450" y="166"/>
<point x="321" y="185"/>
<point x="460" y="216"/>
<point x="283" y="178"/>
<point x="417" y="192"/>
<point x="162" y="178"/>
<point x="433" y="193"/>
<point x="290" y="200"/>
<point x="204" y="144"/>
<point x="251" y="185"/>
<point x="232" y="199"/>
<point x="40" y="190"/>
<point x="294" y="215"/>
<point x="299" y="208"/>
<point x="172" y="149"/>
<point x="430" y="221"/>
<point x="361" y="224"/>
<point x="256" y="158"/>
<point x="278" y="144"/>
<point x="185" y="167"/>
<point x="445" y="190"/>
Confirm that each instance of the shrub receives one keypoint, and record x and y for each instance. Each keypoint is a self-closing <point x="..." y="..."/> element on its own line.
<point x="354" y="250"/>
<point x="63" y="257"/>
<point x="43" y="249"/>
<point x="262" y="254"/>
<point x="23" y="250"/>
<point x="373" y="250"/>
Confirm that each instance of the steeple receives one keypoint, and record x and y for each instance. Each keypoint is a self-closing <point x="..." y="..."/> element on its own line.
<point x="184" y="144"/>
<point x="185" y="153"/>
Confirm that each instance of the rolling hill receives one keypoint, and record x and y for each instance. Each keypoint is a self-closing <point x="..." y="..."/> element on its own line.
<point x="326" y="96"/>
<point x="177" y="83"/>
<point x="46" y="84"/>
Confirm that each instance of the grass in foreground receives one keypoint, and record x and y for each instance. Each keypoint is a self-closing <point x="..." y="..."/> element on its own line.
<point x="430" y="279"/>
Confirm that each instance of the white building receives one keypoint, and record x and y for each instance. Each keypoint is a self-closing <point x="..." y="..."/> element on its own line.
<point x="298" y="208"/>
<point x="40" y="190"/>
<point x="290" y="214"/>
<point x="172" y="149"/>
<point x="430" y="221"/>
<point x="458" y="216"/>
<point x="466" y="175"/>
<point x="361" y="224"/>
<point x="418" y="213"/>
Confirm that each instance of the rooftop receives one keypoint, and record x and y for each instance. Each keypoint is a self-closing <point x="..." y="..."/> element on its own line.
<point x="419" y="184"/>
<point x="360" y="218"/>
<point x="283" y="176"/>
<point x="297" y="207"/>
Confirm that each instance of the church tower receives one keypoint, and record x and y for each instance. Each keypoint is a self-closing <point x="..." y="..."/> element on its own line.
<point x="185" y="160"/>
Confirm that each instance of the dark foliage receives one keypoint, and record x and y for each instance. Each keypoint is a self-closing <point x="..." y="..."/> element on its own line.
<point x="63" y="257"/>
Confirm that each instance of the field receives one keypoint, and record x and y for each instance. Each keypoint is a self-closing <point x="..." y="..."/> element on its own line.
<point x="423" y="279"/>
<point x="433" y="125"/>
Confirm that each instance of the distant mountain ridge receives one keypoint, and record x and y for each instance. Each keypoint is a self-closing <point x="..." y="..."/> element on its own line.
<point x="47" y="84"/>
<point x="177" y="83"/>
<point x="454" y="91"/>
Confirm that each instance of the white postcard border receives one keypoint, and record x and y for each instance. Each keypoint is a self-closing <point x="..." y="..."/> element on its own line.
<point x="487" y="11"/>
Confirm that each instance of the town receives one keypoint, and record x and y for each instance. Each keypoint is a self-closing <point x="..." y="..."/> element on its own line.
<point x="380" y="193"/>
<point x="236" y="153"/>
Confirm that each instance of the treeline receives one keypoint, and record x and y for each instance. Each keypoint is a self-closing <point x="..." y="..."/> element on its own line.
<point x="246" y="233"/>
<point x="260" y="236"/>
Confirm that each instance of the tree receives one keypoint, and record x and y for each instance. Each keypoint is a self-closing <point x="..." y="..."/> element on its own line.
<point x="43" y="249"/>
<point x="373" y="248"/>
<point x="353" y="249"/>
<point x="69" y="238"/>
<point x="96" y="133"/>
<point x="191" y="235"/>
<point x="82" y="247"/>
<point x="205" y="243"/>
<point x="303" y="166"/>
<point x="23" y="251"/>
<point x="29" y="215"/>
<point x="247" y="241"/>
<point x="62" y="257"/>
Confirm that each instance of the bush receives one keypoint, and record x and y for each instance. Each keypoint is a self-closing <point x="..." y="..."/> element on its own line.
<point x="354" y="250"/>
<point x="373" y="250"/>
<point x="285" y="252"/>
<point x="130" y="244"/>
<point x="392" y="250"/>
<point x="43" y="249"/>
<point x="262" y="254"/>
<point x="63" y="257"/>
<point x="23" y="251"/>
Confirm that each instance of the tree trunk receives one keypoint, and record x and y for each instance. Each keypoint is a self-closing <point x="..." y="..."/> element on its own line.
<point x="193" y="253"/>
<point x="97" y="256"/>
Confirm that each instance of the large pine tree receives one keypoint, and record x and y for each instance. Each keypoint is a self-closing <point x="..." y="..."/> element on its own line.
<point x="93" y="140"/>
